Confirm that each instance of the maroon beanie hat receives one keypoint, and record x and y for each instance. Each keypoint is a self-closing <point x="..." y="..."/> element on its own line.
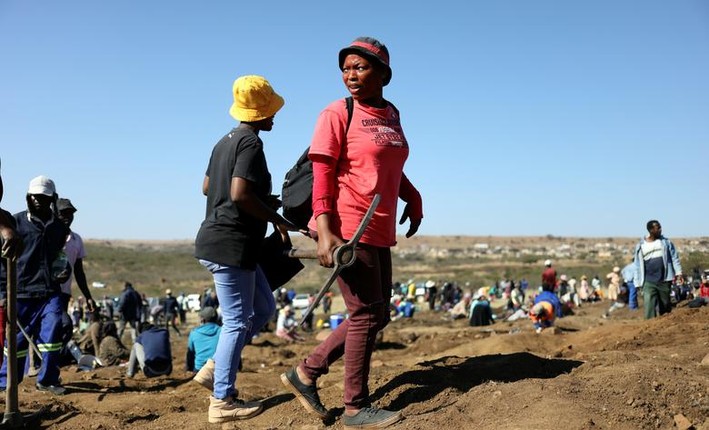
<point x="370" y="48"/>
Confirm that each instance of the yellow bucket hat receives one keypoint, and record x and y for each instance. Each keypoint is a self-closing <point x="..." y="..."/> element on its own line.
<point x="254" y="99"/>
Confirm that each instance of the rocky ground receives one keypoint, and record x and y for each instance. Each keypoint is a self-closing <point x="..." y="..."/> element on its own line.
<point x="591" y="373"/>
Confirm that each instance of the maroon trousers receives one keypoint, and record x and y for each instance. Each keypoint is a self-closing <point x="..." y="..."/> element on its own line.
<point x="3" y="321"/>
<point x="366" y="289"/>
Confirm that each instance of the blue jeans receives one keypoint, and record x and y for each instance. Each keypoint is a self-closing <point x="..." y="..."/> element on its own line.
<point x="247" y="304"/>
<point x="633" y="295"/>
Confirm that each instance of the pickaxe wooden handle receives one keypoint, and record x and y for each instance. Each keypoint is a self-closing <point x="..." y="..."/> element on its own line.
<point x="344" y="256"/>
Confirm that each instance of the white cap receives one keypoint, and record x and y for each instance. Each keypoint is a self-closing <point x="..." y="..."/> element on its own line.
<point x="42" y="185"/>
<point x="547" y="262"/>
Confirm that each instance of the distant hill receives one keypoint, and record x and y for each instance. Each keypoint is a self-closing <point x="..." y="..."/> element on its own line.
<point x="153" y="266"/>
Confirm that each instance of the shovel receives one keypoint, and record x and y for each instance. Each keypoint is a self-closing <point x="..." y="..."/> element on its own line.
<point x="12" y="417"/>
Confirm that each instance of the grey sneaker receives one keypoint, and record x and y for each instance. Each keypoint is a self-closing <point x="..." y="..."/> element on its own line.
<point x="57" y="390"/>
<point x="231" y="409"/>
<point x="371" y="418"/>
<point x="306" y="394"/>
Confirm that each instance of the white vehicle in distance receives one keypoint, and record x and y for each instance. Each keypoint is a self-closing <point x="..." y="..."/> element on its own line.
<point x="193" y="303"/>
<point x="301" y="301"/>
<point x="97" y="284"/>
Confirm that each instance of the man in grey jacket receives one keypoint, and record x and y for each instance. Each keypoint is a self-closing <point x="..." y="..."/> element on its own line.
<point x="657" y="265"/>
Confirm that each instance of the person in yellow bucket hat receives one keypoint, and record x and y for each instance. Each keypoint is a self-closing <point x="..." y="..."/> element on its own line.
<point x="254" y="100"/>
<point x="237" y="184"/>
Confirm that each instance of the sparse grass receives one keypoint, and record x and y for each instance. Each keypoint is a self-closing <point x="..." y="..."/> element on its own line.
<point x="152" y="267"/>
<point x="151" y="270"/>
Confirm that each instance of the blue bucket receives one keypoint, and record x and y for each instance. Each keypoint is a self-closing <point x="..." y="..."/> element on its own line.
<point x="336" y="320"/>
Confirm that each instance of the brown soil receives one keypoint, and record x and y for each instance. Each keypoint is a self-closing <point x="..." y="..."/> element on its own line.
<point x="619" y="373"/>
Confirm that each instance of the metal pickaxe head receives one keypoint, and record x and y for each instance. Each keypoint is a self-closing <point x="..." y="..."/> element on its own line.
<point x="343" y="256"/>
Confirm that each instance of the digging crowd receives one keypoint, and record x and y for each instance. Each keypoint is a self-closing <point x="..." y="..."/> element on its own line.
<point x="358" y="151"/>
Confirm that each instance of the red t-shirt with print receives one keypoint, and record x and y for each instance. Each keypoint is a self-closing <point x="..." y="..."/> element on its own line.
<point x="370" y="160"/>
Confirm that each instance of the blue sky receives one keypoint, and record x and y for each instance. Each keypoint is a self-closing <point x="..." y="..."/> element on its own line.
<point x="523" y="117"/>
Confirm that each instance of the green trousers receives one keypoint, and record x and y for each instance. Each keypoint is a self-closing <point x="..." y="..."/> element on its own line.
<point x="657" y="298"/>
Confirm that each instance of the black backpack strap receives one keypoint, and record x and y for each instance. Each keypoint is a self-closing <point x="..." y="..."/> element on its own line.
<point x="393" y="107"/>
<point x="303" y="157"/>
<point x="349" y="104"/>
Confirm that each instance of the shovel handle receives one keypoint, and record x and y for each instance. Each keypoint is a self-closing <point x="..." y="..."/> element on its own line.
<point x="310" y="254"/>
<point x="343" y="255"/>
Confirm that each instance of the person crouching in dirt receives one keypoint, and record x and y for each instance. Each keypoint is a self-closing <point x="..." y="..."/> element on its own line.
<point x="286" y="325"/>
<point x="202" y="342"/>
<point x="406" y="308"/>
<point x="516" y="300"/>
<point x="542" y="315"/>
<point x="41" y="268"/>
<point x="480" y="312"/>
<point x="91" y="339"/>
<point x="462" y="308"/>
<point x="567" y="295"/>
<point x="151" y="352"/>
<point x="703" y="292"/>
<point x="547" y="296"/>
<point x="111" y="350"/>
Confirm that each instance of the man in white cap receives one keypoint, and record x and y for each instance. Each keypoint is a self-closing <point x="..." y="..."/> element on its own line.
<point x="41" y="268"/>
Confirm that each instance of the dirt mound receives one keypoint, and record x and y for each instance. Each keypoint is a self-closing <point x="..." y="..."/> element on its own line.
<point x="616" y="373"/>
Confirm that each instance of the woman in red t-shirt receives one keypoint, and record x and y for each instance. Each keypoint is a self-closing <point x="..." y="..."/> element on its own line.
<point x="350" y="166"/>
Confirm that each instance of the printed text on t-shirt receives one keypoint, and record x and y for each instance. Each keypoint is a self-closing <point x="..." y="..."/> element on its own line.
<point x="385" y="132"/>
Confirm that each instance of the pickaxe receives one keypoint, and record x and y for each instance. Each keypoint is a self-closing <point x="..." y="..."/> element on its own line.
<point x="343" y="256"/>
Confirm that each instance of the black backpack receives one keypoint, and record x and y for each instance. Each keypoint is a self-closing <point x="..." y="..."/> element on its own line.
<point x="297" y="191"/>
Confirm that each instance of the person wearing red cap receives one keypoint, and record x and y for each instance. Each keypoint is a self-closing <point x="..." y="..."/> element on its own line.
<point x="350" y="166"/>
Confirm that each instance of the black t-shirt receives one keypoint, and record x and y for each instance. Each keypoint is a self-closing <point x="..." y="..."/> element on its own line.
<point x="229" y="236"/>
